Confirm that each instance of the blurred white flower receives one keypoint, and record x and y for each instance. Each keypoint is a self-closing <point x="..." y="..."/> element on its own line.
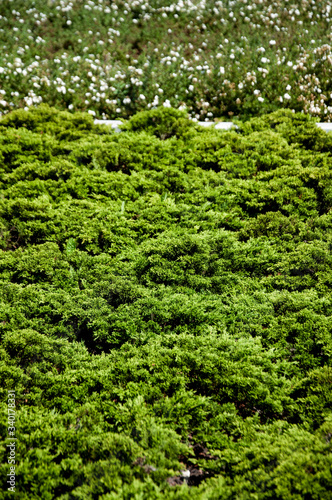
<point x="155" y="101"/>
<point x="222" y="70"/>
<point x="288" y="87"/>
<point x="167" y="104"/>
<point x="272" y="42"/>
<point x="257" y="92"/>
<point x="91" y="112"/>
<point x="260" y="99"/>
<point x="287" y="96"/>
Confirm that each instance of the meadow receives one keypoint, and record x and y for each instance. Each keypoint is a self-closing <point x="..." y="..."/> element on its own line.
<point x="216" y="59"/>
<point x="166" y="307"/>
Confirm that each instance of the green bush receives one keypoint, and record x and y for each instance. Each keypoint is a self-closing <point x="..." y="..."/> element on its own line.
<point x="163" y="123"/>
<point x="166" y="306"/>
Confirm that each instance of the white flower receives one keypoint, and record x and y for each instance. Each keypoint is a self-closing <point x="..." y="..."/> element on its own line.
<point x="272" y="42"/>
<point x="167" y="104"/>
<point x="222" y="70"/>
<point x="191" y="88"/>
<point x="287" y="96"/>
<point x="257" y="92"/>
<point x="142" y="96"/>
<point x="240" y="85"/>
<point x="260" y="99"/>
<point x="288" y="87"/>
<point x="70" y="107"/>
<point x="265" y="60"/>
<point x="91" y="112"/>
<point x="126" y="100"/>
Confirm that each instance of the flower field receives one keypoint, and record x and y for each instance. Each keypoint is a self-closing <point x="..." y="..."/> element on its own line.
<point x="166" y="307"/>
<point x="216" y="59"/>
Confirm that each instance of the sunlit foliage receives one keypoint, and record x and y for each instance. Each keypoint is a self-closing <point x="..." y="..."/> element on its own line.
<point x="166" y="306"/>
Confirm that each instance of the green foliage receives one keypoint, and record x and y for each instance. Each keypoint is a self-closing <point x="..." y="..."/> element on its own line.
<point x="163" y="123"/>
<point x="165" y="304"/>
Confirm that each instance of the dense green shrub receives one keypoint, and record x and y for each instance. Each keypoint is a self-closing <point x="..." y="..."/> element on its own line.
<point x="166" y="306"/>
<point x="163" y="123"/>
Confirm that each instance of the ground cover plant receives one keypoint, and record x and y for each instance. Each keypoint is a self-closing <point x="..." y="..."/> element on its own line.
<point x="219" y="59"/>
<point x="166" y="305"/>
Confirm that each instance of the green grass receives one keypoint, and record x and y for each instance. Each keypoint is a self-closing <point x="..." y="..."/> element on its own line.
<point x="166" y="306"/>
<point x="219" y="60"/>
